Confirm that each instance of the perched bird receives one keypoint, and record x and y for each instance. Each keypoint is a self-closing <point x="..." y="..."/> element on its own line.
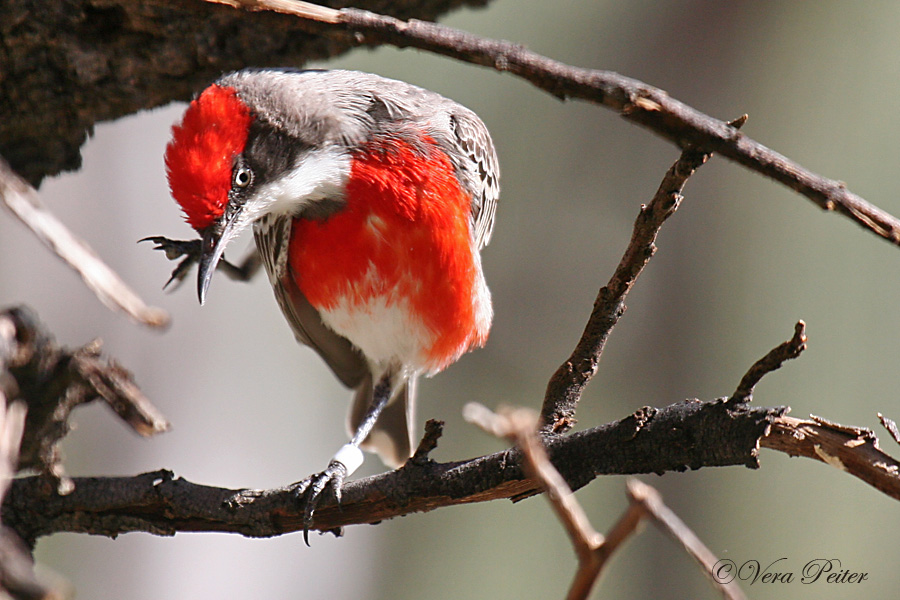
<point x="370" y="200"/>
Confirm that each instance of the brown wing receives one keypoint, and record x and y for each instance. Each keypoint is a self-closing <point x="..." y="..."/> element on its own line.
<point x="481" y="171"/>
<point x="272" y="236"/>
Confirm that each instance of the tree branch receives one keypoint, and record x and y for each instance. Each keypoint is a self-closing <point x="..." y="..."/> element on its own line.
<point x="690" y="434"/>
<point x="567" y="384"/>
<point x="520" y="425"/>
<point x="634" y="100"/>
<point x="23" y="201"/>
<point x="74" y="64"/>
<point x="853" y="450"/>
<point x="53" y="381"/>
<point x="17" y="577"/>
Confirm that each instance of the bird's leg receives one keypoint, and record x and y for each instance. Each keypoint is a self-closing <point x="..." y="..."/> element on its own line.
<point x="191" y="250"/>
<point x="346" y="460"/>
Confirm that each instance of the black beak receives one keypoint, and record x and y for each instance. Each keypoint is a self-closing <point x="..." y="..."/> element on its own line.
<point x="213" y="242"/>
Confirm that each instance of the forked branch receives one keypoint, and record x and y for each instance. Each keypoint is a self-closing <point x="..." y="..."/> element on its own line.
<point x="593" y="550"/>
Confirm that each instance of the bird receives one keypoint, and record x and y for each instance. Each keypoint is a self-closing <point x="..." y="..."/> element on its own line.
<point x="370" y="200"/>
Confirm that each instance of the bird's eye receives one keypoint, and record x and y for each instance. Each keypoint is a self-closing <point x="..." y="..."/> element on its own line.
<point x="242" y="177"/>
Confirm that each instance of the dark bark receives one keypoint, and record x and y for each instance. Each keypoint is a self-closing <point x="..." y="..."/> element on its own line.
<point x="686" y="435"/>
<point x="67" y="65"/>
<point x="53" y="381"/>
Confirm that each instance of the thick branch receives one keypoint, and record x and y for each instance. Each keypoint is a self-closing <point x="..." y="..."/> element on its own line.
<point x="70" y="65"/>
<point x="689" y="434"/>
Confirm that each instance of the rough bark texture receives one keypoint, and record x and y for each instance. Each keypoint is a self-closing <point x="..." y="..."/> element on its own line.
<point x="53" y="381"/>
<point x="68" y="64"/>
<point x="689" y="434"/>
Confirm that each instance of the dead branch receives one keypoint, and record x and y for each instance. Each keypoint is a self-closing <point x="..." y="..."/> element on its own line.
<point x="567" y="384"/>
<point x="690" y="434"/>
<point x="71" y="65"/>
<point x="891" y="427"/>
<point x="853" y="450"/>
<point x="651" y="505"/>
<point x="53" y="381"/>
<point x="520" y="426"/>
<point x="17" y="577"/>
<point x="770" y="362"/>
<point x="23" y="201"/>
<point x="634" y="100"/>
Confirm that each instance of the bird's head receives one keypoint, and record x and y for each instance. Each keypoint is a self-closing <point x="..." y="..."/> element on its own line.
<point x="249" y="146"/>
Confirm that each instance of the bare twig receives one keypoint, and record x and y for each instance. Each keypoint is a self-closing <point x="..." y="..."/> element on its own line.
<point x="853" y="450"/>
<point x="433" y="431"/>
<point x="520" y="427"/>
<point x="593" y="551"/>
<point x="23" y="201"/>
<point x="770" y="362"/>
<point x="891" y="427"/>
<point x="565" y="388"/>
<point x="636" y="101"/>
<point x="652" y="505"/>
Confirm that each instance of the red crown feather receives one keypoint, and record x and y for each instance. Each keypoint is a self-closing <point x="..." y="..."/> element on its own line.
<point x="200" y="157"/>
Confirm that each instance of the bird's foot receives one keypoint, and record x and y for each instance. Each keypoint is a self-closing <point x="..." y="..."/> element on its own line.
<point x="308" y="492"/>
<point x="175" y="249"/>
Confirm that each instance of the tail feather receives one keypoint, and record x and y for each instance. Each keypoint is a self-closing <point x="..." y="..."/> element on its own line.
<point x="392" y="436"/>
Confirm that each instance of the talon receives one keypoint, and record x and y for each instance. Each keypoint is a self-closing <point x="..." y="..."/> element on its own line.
<point x="312" y="487"/>
<point x="175" y="249"/>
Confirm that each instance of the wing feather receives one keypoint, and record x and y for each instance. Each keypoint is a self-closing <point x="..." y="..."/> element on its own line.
<point x="481" y="172"/>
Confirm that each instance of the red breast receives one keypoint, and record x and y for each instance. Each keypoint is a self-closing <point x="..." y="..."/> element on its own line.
<point x="402" y="240"/>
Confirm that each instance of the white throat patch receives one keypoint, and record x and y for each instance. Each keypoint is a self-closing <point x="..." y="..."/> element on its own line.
<point x="318" y="175"/>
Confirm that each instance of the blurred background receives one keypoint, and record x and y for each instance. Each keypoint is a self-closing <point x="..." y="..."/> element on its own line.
<point x="740" y="262"/>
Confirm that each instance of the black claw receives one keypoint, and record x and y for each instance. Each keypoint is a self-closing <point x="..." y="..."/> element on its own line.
<point x="175" y="249"/>
<point x="309" y="491"/>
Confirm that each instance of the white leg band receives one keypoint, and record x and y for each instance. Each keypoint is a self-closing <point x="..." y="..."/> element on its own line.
<point x="350" y="456"/>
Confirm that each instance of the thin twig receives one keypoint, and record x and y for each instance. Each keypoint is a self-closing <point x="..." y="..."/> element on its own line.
<point x="636" y="101"/>
<point x="519" y="426"/>
<point x="565" y="388"/>
<point x="593" y="551"/>
<point x="23" y="201"/>
<point x="891" y="427"/>
<point x="651" y="503"/>
<point x="772" y="361"/>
